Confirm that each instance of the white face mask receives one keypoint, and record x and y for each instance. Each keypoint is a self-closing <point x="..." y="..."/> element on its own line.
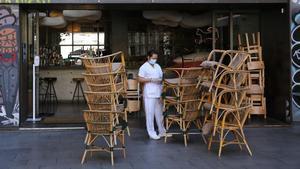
<point x="152" y="61"/>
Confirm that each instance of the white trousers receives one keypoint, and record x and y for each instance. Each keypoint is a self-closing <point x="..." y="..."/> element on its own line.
<point x="153" y="108"/>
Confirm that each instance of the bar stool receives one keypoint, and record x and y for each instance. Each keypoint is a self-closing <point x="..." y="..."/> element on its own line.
<point x="42" y="90"/>
<point x="50" y="94"/>
<point x="78" y="89"/>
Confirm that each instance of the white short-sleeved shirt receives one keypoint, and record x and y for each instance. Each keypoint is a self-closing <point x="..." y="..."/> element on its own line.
<point x="151" y="90"/>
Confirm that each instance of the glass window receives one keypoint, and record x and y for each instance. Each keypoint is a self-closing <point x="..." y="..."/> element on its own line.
<point x="101" y="38"/>
<point x="65" y="39"/>
<point x="244" y="23"/>
<point x="84" y="38"/>
<point x="65" y="51"/>
<point x="72" y="44"/>
<point x="222" y="35"/>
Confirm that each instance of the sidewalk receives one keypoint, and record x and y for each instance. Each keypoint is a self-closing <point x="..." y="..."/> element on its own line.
<point x="273" y="148"/>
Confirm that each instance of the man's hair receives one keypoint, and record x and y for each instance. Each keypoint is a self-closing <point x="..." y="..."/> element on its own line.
<point x="151" y="52"/>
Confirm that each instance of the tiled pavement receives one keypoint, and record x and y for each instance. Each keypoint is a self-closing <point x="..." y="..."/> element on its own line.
<point x="273" y="148"/>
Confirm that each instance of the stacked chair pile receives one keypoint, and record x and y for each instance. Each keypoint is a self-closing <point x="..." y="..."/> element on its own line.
<point x="106" y="118"/>
<point x="224" y="97"/>
<point x="181" y="96"/>
<point x="257" y="71"/>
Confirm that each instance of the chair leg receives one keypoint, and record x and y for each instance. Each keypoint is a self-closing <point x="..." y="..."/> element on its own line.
<point x="204" y="139"/>
<point x="126" y="119"/>
<point x="89" y="139"/>
<point x="128" y="131"/>
<point x="82" y="92"/>
<point x="74" y="94"/>
<point x="78" y="96"/>
<point x="46" y="94"/>
<point x="221" y="142"/>
<point x="210" y="141"/>
<point x="112" y="157"/>
<point x="123" y="144"/>
<point x="167" y="128"/>
<point x="184" y="133"/>
<point x="111" y="142"/>
<point x="86" y="138"/>
<point x="237" y="139"/>
<point x="83" y="157"/>
<point x="245" y="142"/>
<point x="198" y="124"/>
<point x="55" y="96"/>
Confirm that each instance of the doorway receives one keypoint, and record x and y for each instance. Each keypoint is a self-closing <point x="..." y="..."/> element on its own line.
<point x="59" y="42"/>
<point x="125" y="28"/>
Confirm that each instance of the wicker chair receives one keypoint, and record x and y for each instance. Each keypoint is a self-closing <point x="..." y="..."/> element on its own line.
<point x="103" y="124"/>
<point x="229" y="60"/>
<point x="182" y="94"/>
<point x="230" y="114"/>
<point x="252" y="46"/>
<point x="109" y="82"/>
<point x="107" y="101"/>
<point x="229" y="80"/>
<point x="189" y="115"/>
<point x="106" y="64"/>
<point x="257" y="85"/>
<point x="176" y="83"/>
<point x="133" y="96"/>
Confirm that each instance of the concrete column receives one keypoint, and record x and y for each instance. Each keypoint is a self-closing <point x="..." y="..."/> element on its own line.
<point x="119" y="32"/>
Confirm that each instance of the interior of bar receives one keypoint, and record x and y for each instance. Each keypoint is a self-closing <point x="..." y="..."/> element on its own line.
<point x="184" y="36"/>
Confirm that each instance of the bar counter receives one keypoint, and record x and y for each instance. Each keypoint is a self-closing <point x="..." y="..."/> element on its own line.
<point x="64" y="85"/>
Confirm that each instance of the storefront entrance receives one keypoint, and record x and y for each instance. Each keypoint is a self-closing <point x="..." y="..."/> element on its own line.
<point x="59" y="35"/>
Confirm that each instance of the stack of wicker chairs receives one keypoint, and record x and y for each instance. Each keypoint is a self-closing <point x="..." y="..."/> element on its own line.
<point x="223" y="96"/>
<point x="257" y="70"/>
<point x="106" y="118"/>
<point x="181" y="100"/>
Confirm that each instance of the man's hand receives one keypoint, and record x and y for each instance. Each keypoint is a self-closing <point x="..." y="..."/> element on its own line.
<point x="144" y="80"/>
<point x="152" y="80"/>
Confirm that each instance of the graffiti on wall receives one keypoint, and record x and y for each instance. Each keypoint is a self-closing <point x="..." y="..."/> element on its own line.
<point x="204" y="36"/>
<point x="9" y="73"/>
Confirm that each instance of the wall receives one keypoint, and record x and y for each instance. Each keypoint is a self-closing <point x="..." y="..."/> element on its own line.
<point x="9" y="65"/>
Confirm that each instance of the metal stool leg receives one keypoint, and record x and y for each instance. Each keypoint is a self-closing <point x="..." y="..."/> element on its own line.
<point x="74" y="94"/>
<point x="77" y="91"/>
<point x="54" y="93"/>
<point x="82" y="91"/>
<point x="46" y="94"/>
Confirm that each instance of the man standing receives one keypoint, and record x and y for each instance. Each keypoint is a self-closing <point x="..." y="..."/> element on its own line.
<point x="150" y="74"/>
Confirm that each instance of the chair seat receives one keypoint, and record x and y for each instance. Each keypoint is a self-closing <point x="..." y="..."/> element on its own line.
<point x="208" y="64"/>
<point x="178" y="81"/>
<point x="173" y="115"/>
<point x="228" y="126"/>
<point x="48" y="79"/>
<point x="78" y="79"/>
<point x="207" y="106"/>
<point x="207" y="84"/>
<point x="171" y="99"/>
